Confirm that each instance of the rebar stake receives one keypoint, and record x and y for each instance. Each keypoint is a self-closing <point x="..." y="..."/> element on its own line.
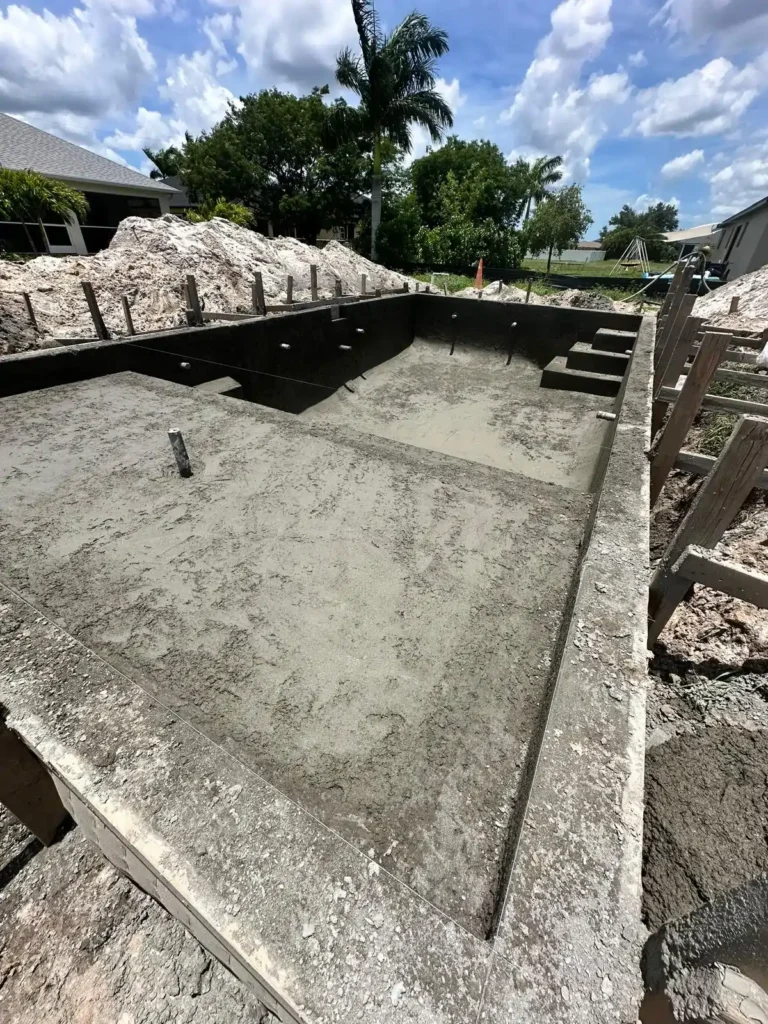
<point x="180" y="452"/>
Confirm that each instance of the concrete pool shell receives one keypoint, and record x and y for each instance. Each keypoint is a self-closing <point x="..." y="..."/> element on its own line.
<point x="334" y="649"/>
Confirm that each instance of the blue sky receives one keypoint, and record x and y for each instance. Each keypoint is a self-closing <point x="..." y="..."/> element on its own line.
<point x="645" y="100"/>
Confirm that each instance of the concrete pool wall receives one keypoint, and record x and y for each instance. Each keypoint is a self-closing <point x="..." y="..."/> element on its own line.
<point x="323" y="926"/>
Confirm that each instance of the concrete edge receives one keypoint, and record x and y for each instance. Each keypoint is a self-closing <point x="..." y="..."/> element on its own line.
<point x="569" y="941"/>
<point x="317" y="929"/>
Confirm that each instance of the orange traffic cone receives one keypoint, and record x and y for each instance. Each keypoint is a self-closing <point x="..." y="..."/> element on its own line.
<point x="479" y="278"/>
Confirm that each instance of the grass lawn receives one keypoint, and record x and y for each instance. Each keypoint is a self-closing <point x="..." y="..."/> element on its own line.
<point x="602" y="268"/>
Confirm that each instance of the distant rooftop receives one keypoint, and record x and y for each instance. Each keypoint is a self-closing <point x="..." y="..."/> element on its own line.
<point x="695" y="234"/>
<point x="23" y="146"/>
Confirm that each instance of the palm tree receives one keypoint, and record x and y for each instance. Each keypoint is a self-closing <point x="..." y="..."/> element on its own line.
<point x="394" y="76"/>
<point x="536" y="176"/>
<point x="167" y="161"/>
<point x="30" y="196"/>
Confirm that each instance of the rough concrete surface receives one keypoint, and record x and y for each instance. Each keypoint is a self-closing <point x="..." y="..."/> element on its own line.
<point x="322" y="931"/>
<point x="368" y="625"/>
<point x="473" y="405"/>
<point x="80" y="944"/>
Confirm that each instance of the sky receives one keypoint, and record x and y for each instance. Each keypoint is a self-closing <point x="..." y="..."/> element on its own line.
<point x="645" y="100"/>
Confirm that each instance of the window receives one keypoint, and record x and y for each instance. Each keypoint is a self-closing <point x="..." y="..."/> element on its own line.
<point x="741" y="236"/>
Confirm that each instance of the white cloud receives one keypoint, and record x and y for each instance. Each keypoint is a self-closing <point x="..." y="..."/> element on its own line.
<point x="708" y="101"/>
<point x="219" y="29"/>
<point x="738" y="179"/>
<point x="479" y="122"/>
<point x="644" y="201"/>
<point x="451" y="93"/>
<point x="91" y="62"/>
<point x="152" y="129"/>
<point x="552" y="112"/>
<point x="293" y="43"/>
<point x="684" y="164"/>
<point x="638" y="59"/>
<point x="734" y="23"/>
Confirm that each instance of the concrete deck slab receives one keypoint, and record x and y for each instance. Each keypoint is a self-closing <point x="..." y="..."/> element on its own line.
<point x="473" y="405"/>
<point x="367" y="625"/>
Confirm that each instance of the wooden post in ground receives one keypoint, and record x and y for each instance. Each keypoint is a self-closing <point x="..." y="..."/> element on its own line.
<point x="674" y="284"/>
<point x="180" y="452"/>
<point x="258" y="302"/>
<point x="127" y="314"/>
<point x="194" y="301"/>
<point x="27" y="789"/>
<point x="98" y="321"/>
<point x="671" y="334"/>
<point x="736" y="299"/>
<point x="685" y="408"/>
<point x="714" y="508"/>
<point x="30" y="311"/>
<point x="528" y="291"/>
<point x="313" y="281"/>
<point x="678" y="356"/>
<point x="363" y="283"/>
<point x="289" y="290"/>
<point x="337" y="287"/>
<point x="669" y="315"/>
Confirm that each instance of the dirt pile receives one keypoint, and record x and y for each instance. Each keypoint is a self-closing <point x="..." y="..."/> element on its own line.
<point x="497" y="292"/>
<point x="753" y="307"/>
<point x="582" y="300"/>
<point x="148" y="260"/>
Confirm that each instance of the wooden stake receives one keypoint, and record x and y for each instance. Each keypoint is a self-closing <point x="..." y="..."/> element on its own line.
<point x="337" y="287"/>
<point x="736" y="299"/>
<point x="30" y="311"/>
<point x="313" y="281"/>
<point x="674" y="368"/>
<point x="98" y="322"/>
<point x="289" y="289"/>
<point x="258" y="302"/>
<point x="685" y="408"/>
<point x="127" y="314"/>
<point x="194" y="301"/>
<point x="180" y="452"/>
<point x="528" y="291"/>
<point x="714" y="508"/>
<point x="27" y="789"/>
<point x="363" y="283"/>
<point x="674" y="327"/>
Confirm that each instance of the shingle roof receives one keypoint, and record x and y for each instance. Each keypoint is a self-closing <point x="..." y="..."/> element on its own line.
<point x="23" y="146"/>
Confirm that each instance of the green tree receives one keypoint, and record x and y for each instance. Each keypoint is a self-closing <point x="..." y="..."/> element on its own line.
<point x="235" y="212"/>
<point x="273" y="153"/>
<point x="558" y="221"/>
<point x="650" y="225"/>
<point x="29" y="196"/>
<point x="394" y="76"/>
<point x="535" y="179"/>
<point x="462" y="238"/>
<point x="168" y="161"/>
<point x="490" y="187"/>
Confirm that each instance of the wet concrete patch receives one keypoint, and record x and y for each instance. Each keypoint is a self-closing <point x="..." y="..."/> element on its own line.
<point x="478" y="404"/>
<point x="369" y="625"/>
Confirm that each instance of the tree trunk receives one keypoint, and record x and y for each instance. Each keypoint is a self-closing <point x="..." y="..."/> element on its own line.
<point x="375" y="196"/>
<point x="549" y="258"/>
<point x="527" y="210"/>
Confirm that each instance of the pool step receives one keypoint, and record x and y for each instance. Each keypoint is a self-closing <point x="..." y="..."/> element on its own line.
<point x="558" y="375"/>
<point x="608" y="340"/>
<point x="583" y="357"/>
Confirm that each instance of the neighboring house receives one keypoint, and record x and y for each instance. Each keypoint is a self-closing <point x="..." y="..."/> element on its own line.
<point x="692" y="238"/>
<point x="113" y="192"/>
<point x="743" y="243"/>
<point x="180" y="203"/>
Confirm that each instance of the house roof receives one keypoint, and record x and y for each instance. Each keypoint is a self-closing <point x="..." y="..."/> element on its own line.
<point x="696" y="234"/>
<point x="744" y="213"/>
<point x="24" y="147"/>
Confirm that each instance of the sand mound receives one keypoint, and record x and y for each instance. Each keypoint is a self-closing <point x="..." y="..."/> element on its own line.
<point x="753" y="308"/>
<point x="148" y="260"/>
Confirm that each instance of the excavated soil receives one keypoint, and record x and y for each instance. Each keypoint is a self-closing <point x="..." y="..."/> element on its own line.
<point x="148" y="260"/>
<point x="80" y="944"/>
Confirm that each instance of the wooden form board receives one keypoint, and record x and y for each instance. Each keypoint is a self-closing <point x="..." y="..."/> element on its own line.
<point x="718" y="500"/>
<point x="685" y="409"/>
<point x="718" y="403"/>
<point x="701" y="465"/>
<point x="698" y="565"/>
